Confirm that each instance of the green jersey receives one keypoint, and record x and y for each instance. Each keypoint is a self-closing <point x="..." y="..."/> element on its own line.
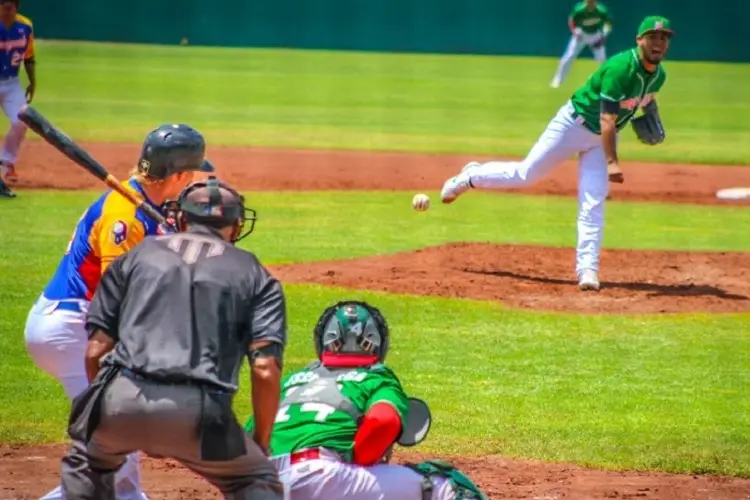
<point x="320" y="406"/>
<point x="590" y="21"/>
<point x="621" y="79"/>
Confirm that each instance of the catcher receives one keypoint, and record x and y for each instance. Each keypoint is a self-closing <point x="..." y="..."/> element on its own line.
<point x="340" y="417"/>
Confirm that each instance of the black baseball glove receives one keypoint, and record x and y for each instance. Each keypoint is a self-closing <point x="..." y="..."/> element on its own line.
<point x="598" y="42"/>
<point x="649" y="129"/>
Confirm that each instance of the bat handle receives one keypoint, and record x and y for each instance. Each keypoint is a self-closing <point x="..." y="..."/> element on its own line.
<point x="151" y="212"/>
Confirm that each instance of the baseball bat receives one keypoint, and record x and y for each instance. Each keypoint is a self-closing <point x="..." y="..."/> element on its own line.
<point x="54" y="136"/>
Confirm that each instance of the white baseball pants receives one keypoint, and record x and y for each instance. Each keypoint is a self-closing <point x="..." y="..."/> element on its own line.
<point x="12" y="99"/>
<point x="573" y="50"/>
<point x="327" y="478"/>
<point x="56" y="340"/>
<point x="563" y="138"/>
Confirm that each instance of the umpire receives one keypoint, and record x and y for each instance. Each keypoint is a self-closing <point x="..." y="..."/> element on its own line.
<point x="168" y="328"/>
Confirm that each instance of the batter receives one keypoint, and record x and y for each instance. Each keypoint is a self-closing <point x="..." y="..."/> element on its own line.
<point x="55" y="333"/>
<point x="588" y="125"/>
<point x="340" y="417"/>
<point x="590" y="23"/>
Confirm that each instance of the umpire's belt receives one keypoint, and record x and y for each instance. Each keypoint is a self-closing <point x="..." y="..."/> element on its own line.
<point x="127" y="372"/>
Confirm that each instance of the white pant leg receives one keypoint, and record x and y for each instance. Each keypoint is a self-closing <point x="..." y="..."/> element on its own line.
<point x="56" y="341"/>
<point x="562" y="138"/>
<point x="593" y="188"/>
<point x="600" y="53"/>
<point x="574" y="48"/>
<point x="12" y="99"/>
<point x="332" y="480"/>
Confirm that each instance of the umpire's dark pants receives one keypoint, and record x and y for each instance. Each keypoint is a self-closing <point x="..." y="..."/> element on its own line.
<point x="163" y="421"/>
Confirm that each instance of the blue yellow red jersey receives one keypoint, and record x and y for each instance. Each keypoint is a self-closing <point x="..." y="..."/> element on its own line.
<point x="108" y="228"/>
<point x="16" y="46"/>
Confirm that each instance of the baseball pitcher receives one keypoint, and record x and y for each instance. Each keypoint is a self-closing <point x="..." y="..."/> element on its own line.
<point x="55" y="334"/>
<point x="590" y="23"/>
<point x="17" y="41"/>
<point x="340" y="417"/>
<point x="588" y="125"/>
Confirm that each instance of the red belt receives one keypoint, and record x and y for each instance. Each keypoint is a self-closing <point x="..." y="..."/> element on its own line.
<point x="303" y="455"/>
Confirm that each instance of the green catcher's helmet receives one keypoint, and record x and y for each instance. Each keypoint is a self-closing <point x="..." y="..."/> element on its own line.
<point x="351" y="329"/>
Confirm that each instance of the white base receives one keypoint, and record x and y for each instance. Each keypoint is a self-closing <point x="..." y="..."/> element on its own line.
<point x="735" y="193"/>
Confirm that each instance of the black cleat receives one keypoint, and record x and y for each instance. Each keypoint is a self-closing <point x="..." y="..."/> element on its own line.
<point x="5" y="191"/>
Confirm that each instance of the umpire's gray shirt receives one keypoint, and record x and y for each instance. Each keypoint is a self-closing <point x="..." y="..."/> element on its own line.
<point x="187" y="306"/>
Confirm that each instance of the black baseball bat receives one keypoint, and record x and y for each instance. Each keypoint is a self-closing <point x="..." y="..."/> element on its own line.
<point x="54" y="136"/>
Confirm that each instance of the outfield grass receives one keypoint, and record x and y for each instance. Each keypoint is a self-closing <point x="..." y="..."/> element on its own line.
<point x="493" y="105"/>
<point x="646" y="392"/>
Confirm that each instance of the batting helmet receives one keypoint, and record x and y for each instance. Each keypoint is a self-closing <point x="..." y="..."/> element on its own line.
<point x="173" y="148"/>
<point x="351" y="329"/>
<point x="213" y="203"/>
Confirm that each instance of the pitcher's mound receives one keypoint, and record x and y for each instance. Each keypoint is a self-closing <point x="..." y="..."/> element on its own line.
<point x="543" y="278"/>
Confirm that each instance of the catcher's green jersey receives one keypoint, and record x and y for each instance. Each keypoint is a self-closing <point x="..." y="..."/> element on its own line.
<point x="622" y="78"/>
<point x="590" y="21"/>
<point x="320" y="406"/>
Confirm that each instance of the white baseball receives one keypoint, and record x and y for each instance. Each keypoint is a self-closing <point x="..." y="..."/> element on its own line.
<point x="420" y="202"/>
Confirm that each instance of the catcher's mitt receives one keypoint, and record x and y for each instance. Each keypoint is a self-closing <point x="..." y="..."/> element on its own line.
<point x="649" y="129"/>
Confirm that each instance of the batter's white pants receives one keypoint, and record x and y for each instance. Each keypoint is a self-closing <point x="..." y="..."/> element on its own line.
<point x="327" y="478"/>
<point x="573" y="50"/>
<point x="12" y="99"/>
<point x="564" y="137"/>
<point x="56" y="340"/>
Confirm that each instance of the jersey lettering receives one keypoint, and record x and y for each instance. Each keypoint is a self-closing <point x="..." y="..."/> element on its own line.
<point x="322" y="412"/>
<point x="192" y="247"/>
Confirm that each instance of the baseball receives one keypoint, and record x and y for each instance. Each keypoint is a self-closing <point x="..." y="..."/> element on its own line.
<point x="420" y="202"/>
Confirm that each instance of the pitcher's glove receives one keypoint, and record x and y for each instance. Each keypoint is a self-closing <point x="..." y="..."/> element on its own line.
<point x="598" y="42"/>
<point x="649" y="129"/>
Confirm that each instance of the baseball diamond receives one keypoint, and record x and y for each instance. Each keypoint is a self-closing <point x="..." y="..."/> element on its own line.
<point x="529" y="388"/>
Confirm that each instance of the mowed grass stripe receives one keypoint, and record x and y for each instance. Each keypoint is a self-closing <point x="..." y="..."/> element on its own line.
<point x="320" y="99"/>
<point x="308" y="226"/>
<point x="652" y="393"/>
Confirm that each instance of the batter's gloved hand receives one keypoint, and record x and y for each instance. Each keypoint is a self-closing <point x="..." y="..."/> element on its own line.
<point x="169" y="209"/>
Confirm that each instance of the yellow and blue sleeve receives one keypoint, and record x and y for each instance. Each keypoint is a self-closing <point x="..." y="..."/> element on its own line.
<point x="117" y="230"/>
<point x="29" y="54"/>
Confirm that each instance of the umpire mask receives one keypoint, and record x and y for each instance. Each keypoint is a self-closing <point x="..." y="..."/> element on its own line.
<point x="351" y="333"/>
<point x="214" y="204"/>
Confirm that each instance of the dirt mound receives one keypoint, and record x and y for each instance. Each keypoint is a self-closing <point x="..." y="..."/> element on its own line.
<point x="26" y="473"/>
<point x="41" y="166"/>
<point x="537" y="277"/>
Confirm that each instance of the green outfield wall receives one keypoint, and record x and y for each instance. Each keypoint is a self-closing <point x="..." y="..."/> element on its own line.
<point x="509" y="27"/>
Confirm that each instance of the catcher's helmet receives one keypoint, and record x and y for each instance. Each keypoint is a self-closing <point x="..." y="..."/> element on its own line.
<point x="213" y="203"/>
<point x="173" y="148"/>
<point x="351" y="328"/>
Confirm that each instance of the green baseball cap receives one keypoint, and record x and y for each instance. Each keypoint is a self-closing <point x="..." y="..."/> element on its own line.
<point x="655" y="23"/>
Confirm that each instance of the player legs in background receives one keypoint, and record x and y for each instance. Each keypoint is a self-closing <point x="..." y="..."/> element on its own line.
<point x="600" y="53"/>
<point x="56" y="341"/>
<point x="564" y="137"/>
<point x="13" y="99"/>
<point x="575" y="46"/>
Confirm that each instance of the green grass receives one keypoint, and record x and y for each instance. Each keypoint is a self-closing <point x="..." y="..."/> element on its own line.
<point x="318" y="99"/>
<point x="646" y="392"/>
